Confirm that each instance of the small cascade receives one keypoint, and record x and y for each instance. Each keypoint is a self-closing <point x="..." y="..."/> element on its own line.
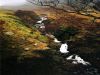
<point x="56" y="40"/>
<point x="40" y="24"/>
<point x="64" y="48"/>
<point x="77" y="60"/>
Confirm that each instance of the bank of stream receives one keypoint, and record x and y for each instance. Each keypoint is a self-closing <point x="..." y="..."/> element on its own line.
<point x="51" y="64"/>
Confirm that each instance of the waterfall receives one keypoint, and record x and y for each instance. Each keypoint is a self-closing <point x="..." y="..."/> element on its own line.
<point x="64" y="48"/>
<point x="77" y="60"/>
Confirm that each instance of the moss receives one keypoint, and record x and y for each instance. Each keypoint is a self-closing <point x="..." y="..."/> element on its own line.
<point x="42" y="38"/>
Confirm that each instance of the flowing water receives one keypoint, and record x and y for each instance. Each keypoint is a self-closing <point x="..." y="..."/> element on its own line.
<point x="50" y="65"/>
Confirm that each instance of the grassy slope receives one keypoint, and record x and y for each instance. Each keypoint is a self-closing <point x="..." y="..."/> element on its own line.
<point x="70" y="19"/>
<point x="17" y="38"/>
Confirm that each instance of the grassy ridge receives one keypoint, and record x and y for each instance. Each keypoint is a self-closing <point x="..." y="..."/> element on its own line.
<point x="17" y="38"/>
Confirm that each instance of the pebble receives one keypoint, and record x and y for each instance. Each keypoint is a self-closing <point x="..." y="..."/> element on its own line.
<point x="9" y="33"/>
<point x="26" y="49"/>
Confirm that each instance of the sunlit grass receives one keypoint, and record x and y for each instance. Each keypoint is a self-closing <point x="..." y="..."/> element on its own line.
<point x="19" y="37"/>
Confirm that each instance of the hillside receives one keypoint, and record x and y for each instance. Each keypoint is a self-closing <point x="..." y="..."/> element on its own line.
<point x="28" y="50"/>
<point x="18" y="39"/>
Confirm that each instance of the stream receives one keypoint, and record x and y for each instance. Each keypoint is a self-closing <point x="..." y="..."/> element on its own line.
<point x="52" y="64"/>
<point x="73" y="64"/>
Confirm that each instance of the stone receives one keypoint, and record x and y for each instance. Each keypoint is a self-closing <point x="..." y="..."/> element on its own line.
<point x="26" y="49"/>
<point x="9" y="33"/>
